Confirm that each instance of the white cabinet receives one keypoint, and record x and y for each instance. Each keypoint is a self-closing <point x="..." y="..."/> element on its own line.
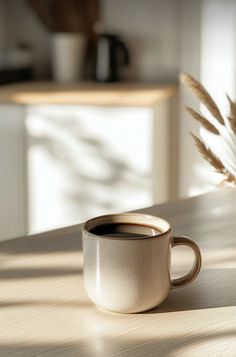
<point x="86" y="161"/>
<point x="62" y="164"/>
<point x="13" y="177"/>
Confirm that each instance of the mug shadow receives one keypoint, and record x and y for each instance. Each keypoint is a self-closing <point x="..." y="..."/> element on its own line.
<point x="213" y="288"/>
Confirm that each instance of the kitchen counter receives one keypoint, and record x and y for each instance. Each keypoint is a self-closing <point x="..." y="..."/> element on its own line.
<point x="87" y="93"/>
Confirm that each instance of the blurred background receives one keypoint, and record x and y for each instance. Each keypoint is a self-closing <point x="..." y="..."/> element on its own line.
<point x="92" y="116"/>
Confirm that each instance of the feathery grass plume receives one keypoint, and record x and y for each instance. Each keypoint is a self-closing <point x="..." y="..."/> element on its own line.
<point x="202" y="120"/>
<point x="202" y="95"/>
<point x="209" y="156"/>
<point x="232" y="115"/>
<point x="227" y="180"/>
<point x="223" y="161"/>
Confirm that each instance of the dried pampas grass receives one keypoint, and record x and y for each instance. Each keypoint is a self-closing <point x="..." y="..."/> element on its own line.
<point x="215" y="162"/>
<point x="225" y="131"/>
<point x="202" y="95"/>
<point x="203" y="121"/>
<point x="232" y="115"/>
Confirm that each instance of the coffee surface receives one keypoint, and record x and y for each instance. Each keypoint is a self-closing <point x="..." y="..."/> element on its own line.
<point x="125" y="230"/>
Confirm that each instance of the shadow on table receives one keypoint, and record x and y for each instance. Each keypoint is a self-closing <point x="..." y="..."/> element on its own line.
<point x="52" y="303"/>
<point x="61" y="240"/>
<point x="38" y="272"/>
<point x="213" y="288"/>
<point x="123" y="346"/>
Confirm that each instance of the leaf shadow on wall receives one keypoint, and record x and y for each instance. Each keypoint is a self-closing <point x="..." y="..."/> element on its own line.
<point x="70" y="146"/>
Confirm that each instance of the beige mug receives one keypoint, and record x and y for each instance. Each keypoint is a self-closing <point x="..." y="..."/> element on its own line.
<point x="131" y="274"/>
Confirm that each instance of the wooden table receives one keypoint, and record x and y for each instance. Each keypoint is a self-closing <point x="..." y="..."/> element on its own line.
<point x="44" y="310"/>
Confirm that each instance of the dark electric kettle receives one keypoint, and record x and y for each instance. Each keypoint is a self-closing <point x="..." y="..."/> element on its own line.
<point x="111" y="54"/>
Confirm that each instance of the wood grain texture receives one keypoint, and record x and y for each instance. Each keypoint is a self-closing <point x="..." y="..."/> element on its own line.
<point x="86" y="93"/>
<point x="44" y="310"/>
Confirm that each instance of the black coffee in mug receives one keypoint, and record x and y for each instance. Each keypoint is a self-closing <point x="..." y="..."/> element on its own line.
<point x="125" y="230"/>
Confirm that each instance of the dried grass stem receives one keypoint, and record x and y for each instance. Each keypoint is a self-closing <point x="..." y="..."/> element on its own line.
<point x="202" y="95"/>
<point x="202" y="120"/>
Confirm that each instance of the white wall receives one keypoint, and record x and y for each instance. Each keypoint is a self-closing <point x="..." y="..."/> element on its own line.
<point x="151" y="31"/>
<point x="218" y="57"/>
<point x="20" y="24"/>
<point x="190" y="54"/>
<point x="208" y="51"/>
<point x="218" y="63"/>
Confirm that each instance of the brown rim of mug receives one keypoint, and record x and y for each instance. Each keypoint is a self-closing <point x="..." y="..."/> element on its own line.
<point x="85" y="229"/>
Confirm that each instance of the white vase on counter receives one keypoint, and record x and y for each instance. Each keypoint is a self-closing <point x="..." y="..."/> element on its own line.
<point x="68" y="51"/>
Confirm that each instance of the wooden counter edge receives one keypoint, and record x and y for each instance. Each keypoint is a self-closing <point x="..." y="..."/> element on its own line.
<point x="86" y="93"/>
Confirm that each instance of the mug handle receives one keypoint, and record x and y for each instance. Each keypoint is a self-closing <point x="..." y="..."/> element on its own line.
<point x="191" y="276"/>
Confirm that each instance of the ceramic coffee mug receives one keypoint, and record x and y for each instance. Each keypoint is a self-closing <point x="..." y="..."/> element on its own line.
<point x="132" y="274"/>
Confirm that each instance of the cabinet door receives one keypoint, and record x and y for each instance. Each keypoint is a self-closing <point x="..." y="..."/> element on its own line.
<point x="85" y="161"/>
<point x="13" y="176"/>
